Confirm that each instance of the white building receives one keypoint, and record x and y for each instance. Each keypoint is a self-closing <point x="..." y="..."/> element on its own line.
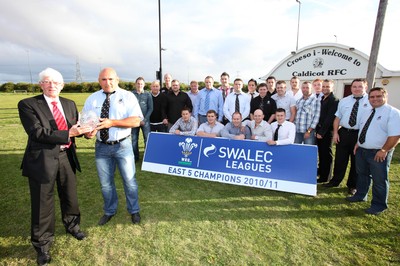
<point x="338" y="62"/>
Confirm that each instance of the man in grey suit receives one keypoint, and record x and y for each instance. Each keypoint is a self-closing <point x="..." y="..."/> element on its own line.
<point x="50" y="157"/>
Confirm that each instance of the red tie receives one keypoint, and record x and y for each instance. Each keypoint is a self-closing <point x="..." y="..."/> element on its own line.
<point x="60" y="120"/>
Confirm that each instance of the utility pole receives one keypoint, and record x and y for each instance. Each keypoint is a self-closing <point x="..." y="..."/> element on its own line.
<point x="373" y="57"/>
<point x="29" y="65"/>
<point x="298" y="26"/>
<point x="160" y="49"/>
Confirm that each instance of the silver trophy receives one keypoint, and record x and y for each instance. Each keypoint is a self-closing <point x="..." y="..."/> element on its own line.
<point x="89" y="119"/>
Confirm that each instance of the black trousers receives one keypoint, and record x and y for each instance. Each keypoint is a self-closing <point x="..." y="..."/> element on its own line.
<point x="344" y="151"/>
<point x="325" y="156"/>
<point x="158" y="128"/>
<point x="42" y="205"/>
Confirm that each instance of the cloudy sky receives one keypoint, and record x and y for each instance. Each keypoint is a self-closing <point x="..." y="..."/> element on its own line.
<point x="201" y="37"/>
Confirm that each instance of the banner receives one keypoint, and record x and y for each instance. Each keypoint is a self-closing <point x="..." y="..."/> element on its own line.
<point x="289" y="168"/>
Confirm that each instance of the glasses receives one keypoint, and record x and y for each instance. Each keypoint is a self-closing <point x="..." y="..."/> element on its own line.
<point x="47" y="82"/>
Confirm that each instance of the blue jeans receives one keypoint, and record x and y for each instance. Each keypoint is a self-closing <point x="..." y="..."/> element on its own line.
<point x="135" y="137"/>
<point x="107" y="158"/>
<point x="368" y="169"/>
<point x="299" y="139"/>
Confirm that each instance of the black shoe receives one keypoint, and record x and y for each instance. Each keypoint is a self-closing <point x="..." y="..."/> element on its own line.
<point x="43" y="258"/>
<point x="330" y="185"/>
<point x="136" y="218"/>
<point x="352" y="191"/>
<point x="78" y="235"/>
<point x="372" y="211"/>
<point x="104" y="219"/>
<point x="322" y="180"/>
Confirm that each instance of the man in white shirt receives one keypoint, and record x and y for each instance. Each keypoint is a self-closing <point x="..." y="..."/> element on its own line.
<point x="378" y="136"/>
<point x="113" y="143"/>
<point x="295" y="91"/>
<point x="285" y="101"/>
<point x="345" y="131"/>
<point x="252" y="88"/>
<point x="193" y="94"/>
<point x="212" y="128"/>
<point x="260" y="129"/>
<point x="317" y="88"/>
<point x="238" y="101"/>
<point x="286" y="132"/>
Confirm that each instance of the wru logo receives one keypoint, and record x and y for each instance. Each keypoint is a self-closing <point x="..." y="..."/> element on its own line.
<point x="187" y="147"/>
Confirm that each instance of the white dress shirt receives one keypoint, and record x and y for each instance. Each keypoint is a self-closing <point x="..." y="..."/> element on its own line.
<point x="263" y="131"/>
<point x="123" y="104"/>
<point x="244" y="104"/>
<point x="286" y="133"/>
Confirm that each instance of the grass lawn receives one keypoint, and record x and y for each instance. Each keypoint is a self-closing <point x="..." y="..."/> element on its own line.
<point x="194" y="222"/>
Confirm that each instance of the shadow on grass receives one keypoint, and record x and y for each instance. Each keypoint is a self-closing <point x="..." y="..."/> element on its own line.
<point x="19" y="252"/>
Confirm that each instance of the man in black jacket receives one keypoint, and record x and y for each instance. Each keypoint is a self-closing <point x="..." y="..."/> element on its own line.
<point x="50" y="158"/>
<point x="324" y="129"/>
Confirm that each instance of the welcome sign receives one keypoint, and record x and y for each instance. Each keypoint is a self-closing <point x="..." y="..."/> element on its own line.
<point x="331" y="61"/>
<point x="289" y="168"/>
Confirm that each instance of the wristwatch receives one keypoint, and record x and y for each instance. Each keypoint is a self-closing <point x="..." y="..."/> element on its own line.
<point x="308" y="131"/>
<point x="383" y="150"/>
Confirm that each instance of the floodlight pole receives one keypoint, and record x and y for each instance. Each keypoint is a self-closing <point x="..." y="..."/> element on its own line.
<point x="159" y="42"/>
<point x="298" y="26"/>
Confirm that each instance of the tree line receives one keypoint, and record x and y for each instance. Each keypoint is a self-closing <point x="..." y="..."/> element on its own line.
<point x="86" y="86"/>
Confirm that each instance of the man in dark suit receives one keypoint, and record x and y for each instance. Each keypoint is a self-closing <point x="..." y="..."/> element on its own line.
<point x="324" y="130"/>
<point x="50" y="157"/>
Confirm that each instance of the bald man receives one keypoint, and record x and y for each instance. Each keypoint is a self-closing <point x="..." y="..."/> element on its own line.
<point x="260" y="129"/>
<point x="113" y="142"/>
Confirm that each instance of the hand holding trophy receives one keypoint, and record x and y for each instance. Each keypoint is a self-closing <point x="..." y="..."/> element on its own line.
<point x="88" y="119"/>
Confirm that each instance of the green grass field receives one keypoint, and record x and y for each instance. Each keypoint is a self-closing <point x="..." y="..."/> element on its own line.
<point x="194" y="222"/>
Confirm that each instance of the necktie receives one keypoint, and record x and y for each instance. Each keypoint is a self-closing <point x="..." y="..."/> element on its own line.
<point x="361" y="139"/>
<point x="237" y="104"/>
<point x="252" y="95"/>
<point x="59" y="118"/>
<point x="207" y="101"/>
<point x="353" y="115"/>
<point x="262" y="104"/>
<point x="105" y="109"/>
<point x="276" y="132"/>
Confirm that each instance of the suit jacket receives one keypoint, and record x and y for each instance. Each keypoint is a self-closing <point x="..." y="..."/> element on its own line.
<point x="328" y="109"/>
<point x="40" y="160"/>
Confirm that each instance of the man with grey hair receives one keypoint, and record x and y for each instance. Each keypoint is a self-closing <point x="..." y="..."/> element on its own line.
<point x="50" y="121"/>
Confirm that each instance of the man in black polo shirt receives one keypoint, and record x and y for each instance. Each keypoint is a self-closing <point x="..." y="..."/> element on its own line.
<point x="176" y="101"/>
<point x="264" y="102"/>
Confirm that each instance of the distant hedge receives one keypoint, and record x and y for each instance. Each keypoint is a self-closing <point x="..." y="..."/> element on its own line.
<point x="86" y="86"/>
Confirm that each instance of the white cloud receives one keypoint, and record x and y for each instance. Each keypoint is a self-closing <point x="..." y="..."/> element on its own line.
<point x="245" y="38"/>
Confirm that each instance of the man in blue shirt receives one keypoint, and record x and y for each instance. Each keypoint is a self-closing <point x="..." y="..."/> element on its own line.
<point x="209" y="98"/>
<point x="235" y="129"/>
